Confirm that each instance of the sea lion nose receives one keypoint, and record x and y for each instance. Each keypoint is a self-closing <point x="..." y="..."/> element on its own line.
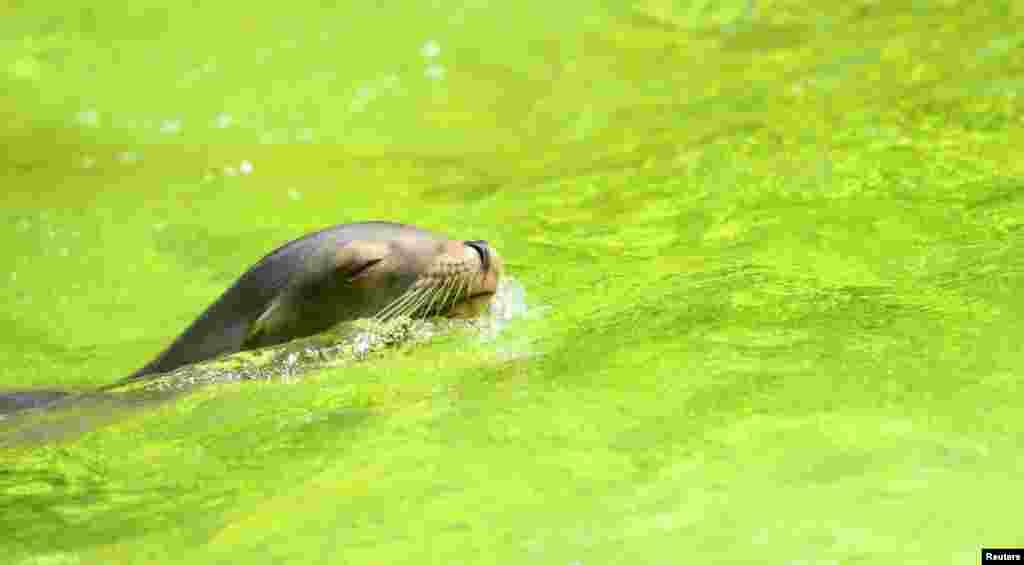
<point x="482" y="249"/>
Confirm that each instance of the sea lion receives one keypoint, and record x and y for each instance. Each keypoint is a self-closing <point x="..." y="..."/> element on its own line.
<point x="345" y="272"/>
<point x="370" y="269"/>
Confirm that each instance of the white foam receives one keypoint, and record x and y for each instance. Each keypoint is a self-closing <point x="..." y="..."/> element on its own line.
<point x="430" y="49"/>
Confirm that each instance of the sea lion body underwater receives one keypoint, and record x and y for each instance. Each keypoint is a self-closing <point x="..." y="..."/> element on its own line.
<point x="345" y="272"/>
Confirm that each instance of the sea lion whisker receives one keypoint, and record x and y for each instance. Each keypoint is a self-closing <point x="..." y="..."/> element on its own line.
<point x="452" y="292"/>
<point x="397" y="306"/>
<point x="442" y="295"/>
<point x="383" y="314"/>
<point x="426" y="300"/>
<point x="411" y="307"/>
<point x="415" y="307"/>
<point x="455" y="292"/>
<point x="466" y="282"/>
<point x="460" y="286"/>
<point x="430" y="300"/>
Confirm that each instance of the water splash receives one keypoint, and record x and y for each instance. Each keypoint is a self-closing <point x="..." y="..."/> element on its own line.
<point x="170" y="126"/>
<point x="435" y="71"/>
<point x="430" y="49"/>
<point x="222" y="120"/>
<point x="129" y="157"/>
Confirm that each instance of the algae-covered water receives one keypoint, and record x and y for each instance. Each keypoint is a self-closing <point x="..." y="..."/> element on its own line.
<point x="771" y="252"/>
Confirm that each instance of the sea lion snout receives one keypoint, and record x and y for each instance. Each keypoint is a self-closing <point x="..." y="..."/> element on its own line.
<point x="465" y="273"/>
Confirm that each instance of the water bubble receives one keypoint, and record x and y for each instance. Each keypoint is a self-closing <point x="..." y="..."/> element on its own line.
<point x="64" y="252"/>
<point x="294" y="194"/>
<point x="510" y="300"/>
<point x="222" y="120"/>
<point x="170" y="126"/>
<point x="230" y="171"/>
<point x="159" y="227"/>
<point x="87" y="162"/>
<point x="88" y="117"/>
<point x="129" y="157"/>
<point x="361" y="346"/>
<point x="434" y="72"/>
<point x="430" y="49"/>
<point x="359" y="103"/>
<point x="245" y="167"/>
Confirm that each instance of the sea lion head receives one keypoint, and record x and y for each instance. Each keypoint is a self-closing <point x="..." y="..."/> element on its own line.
<point x="378" y="270"/>
<point x="417" y="273"/>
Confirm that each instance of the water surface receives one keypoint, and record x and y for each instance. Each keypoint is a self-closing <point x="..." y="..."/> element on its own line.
<point x="779" y="244"/>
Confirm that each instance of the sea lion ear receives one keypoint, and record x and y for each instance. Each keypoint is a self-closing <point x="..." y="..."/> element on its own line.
<point x="353" y="258"/>
<point x="331" y="256"/>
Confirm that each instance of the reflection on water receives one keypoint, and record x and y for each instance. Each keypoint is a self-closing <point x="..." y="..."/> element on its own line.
<point x="64" y="416"/>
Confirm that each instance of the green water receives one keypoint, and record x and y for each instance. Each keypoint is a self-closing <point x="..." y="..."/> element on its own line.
<point x="773" y="249"/>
